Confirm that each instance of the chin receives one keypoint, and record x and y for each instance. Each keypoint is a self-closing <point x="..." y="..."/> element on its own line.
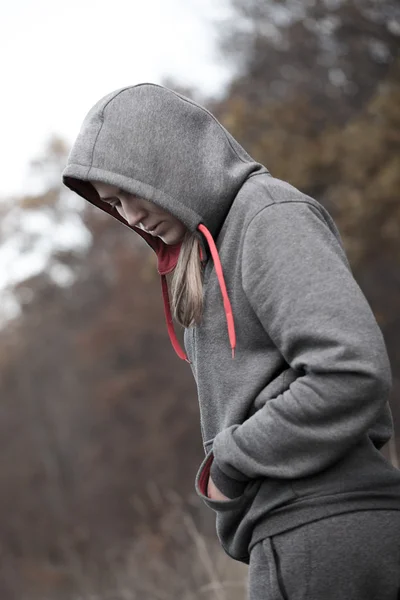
<point x="169" y="240"/>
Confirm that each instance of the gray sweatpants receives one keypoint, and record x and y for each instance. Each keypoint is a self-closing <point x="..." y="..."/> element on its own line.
<point x="351" y="556"/>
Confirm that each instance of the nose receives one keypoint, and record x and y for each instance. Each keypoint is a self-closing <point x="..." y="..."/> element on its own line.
<point x="132" y="212"/>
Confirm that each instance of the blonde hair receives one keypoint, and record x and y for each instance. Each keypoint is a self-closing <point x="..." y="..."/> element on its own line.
<point x="187" y="282"/>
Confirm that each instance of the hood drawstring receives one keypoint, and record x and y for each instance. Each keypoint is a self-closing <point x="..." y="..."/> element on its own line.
<point x="227" y="304"/>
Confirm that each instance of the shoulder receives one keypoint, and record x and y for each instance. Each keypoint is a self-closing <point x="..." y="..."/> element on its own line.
<point x="263" y="194"/>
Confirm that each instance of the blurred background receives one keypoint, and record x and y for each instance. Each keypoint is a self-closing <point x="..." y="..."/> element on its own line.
<point x="99" y="428"/>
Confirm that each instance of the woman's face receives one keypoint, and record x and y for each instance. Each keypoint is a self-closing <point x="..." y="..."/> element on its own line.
<point x="142" y="213"/>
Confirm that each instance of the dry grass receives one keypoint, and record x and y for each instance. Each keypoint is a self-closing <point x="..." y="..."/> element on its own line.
<point x="169" y="560"/>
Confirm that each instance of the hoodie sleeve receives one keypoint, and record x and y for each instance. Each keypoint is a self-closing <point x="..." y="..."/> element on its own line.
<point x="298" y="281"/>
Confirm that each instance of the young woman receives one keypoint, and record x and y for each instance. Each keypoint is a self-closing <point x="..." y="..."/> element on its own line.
<point x="291" y="367"/>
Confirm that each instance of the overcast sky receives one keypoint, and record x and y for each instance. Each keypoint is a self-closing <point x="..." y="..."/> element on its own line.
<point x="59" y="58"/>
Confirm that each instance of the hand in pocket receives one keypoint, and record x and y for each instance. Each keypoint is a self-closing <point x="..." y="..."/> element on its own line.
<point x="213" y="492"/>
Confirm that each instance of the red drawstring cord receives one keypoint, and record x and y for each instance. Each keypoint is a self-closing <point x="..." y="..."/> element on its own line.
<point x="225" y="297"/>
<point x="221" y="280"/>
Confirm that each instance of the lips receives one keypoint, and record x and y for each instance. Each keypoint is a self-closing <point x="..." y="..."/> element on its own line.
<point x="154" y="229"/>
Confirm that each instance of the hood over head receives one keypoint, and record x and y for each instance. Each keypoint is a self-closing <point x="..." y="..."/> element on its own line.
<point x="159" y="145"/>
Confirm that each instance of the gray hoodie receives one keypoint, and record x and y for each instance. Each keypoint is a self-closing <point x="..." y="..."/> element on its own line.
<point x="291" y="367"/>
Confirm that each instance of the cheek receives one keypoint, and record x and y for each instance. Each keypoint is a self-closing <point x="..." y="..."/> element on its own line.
<point x="180" y="226"/>
<point x="174" y="225"/>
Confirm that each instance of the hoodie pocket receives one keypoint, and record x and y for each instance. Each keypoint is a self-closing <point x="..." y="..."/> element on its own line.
<point x="237" y="517"/>
<point x="201" y="483"/>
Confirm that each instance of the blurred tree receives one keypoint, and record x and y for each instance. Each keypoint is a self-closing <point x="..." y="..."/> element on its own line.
<point x="333" y="51"/>
<point x="99" y="419"/>
<point x="47" y="169"/>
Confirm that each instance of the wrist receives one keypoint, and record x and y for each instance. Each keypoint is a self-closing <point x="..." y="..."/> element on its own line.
<point x="227" y="485"/>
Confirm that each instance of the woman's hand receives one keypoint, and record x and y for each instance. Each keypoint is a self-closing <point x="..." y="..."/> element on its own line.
<point x="213" y="492"/>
